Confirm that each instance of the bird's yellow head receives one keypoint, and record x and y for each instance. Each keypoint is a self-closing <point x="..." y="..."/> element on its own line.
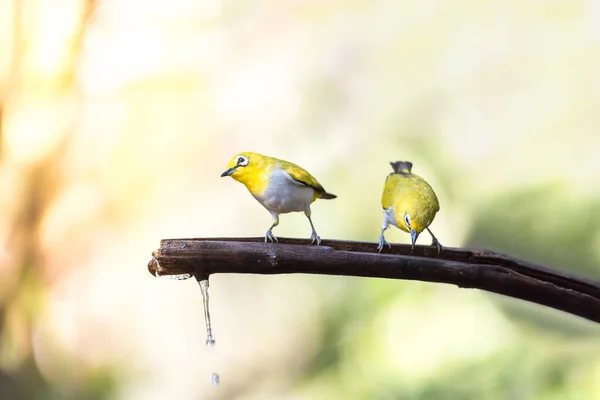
<point x="415" y="224"/>
<point x="414" y="215"/>
<point x="243" y="166"/>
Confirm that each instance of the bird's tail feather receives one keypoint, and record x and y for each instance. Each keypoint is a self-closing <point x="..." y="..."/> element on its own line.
<point x="327" y="196"/>
<point x="401" y="167"/>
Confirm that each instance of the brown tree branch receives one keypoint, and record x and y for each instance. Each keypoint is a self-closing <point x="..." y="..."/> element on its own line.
<point x="480" y="269"/>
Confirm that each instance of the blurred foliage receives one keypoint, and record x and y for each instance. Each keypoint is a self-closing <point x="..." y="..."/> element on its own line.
<point x="546" y="224"/>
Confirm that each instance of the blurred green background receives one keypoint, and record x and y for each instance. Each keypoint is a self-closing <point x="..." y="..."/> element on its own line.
<point x="117" y="118"/>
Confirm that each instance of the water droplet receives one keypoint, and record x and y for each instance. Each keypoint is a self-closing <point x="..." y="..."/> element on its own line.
<point x="178" y="277"/>
<point x="215" y="379"/>
<point x="210" y="339"/>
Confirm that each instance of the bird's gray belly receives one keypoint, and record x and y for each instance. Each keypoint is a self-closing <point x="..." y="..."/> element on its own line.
<point x="284" y="196"/>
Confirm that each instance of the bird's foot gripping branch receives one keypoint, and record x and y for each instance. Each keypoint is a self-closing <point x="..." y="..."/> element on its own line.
<point x="479" y="269"/>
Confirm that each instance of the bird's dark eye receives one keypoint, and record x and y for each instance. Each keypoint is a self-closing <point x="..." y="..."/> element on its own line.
<point x="407" y="220"/>
<point x="242" y="161"/>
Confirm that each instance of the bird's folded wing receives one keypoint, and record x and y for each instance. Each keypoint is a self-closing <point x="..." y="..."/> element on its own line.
<point x="302" y="177"/>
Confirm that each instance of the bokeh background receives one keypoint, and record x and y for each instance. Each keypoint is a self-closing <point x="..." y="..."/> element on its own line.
<point x="117" y="118"/>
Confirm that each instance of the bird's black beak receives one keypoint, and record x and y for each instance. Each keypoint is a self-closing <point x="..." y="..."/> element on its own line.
<point x="413" y="236"/>
<point x="228" y="172"/>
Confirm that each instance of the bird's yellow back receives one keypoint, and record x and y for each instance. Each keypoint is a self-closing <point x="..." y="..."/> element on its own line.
<point x="409" y="193"/>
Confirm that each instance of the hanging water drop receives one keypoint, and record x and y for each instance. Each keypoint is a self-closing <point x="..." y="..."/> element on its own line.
<point x="210" y="339"/>
<point x="178" y="277"/>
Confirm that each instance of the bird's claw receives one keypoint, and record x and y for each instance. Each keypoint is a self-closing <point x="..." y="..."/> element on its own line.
<point x="269" y="237"/>
<point x="383" y="242"/>
<point x="315" y="238"/>
<point x="437" y="244"/>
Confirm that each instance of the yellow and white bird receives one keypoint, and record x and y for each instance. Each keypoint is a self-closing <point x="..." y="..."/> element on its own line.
<point x="280" y="186"/>
<point x="409" y="203"/>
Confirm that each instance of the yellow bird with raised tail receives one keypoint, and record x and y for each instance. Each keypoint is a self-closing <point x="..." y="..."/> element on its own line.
<point x="280" y="186"/>
<point x="409" y="203"/>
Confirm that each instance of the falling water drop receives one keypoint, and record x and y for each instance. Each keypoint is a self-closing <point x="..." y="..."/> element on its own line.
<point x="210" y="339"/>
<point x="215" y="379"/>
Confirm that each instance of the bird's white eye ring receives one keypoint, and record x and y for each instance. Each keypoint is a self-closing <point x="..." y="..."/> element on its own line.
<point x="407" y="220"/>
<point x="242" y="161"/>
